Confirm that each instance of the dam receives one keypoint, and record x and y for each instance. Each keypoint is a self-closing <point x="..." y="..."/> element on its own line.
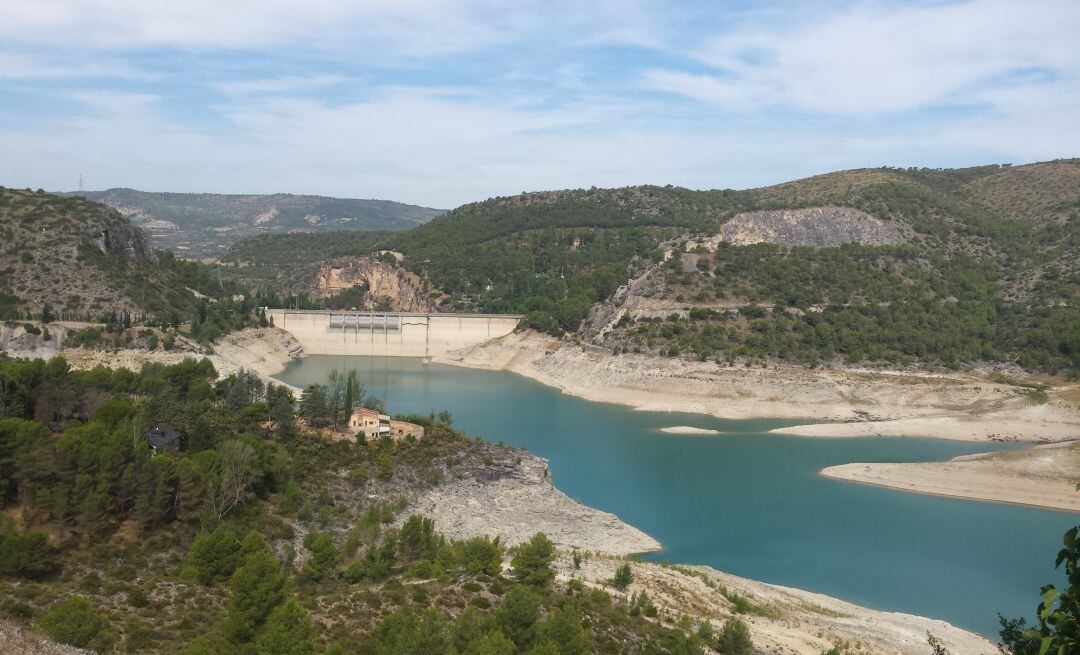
<point x="389" y="334"/>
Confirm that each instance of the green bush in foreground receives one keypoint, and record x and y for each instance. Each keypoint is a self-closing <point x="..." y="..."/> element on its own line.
<point x="734" y="638"/>
<point x="26" y="555"/>
<point x="75" y="621"/>
<point x="532" y="561"/>
<point x="623" y="577"/>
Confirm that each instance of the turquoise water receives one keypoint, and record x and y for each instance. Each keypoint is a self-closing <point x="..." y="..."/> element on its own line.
<point x="749" y="503"/>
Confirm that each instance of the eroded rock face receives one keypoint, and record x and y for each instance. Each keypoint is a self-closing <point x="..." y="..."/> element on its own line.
<point x="813" y="226"/>
<point x="126" y="239"/>
<point x="387" y="284"/>
<point x="111" y="233"/>
<point x="511" y="496"/>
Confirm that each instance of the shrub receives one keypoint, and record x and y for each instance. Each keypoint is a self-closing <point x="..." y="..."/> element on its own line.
<point x="623" y="577"/>
<point x="214" y="555"/>
<point x="324" y="557"/>
<point x="87" y="337"/>
<point x="734" y="638"/>
<point x="75" y="621"/>
<point x="26" y="555"/>
<point x="532" y="561"/>
<point x="288" y="631"/>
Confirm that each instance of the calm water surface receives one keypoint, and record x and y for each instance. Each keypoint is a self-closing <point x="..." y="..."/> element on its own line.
<point x="746" y="502"/>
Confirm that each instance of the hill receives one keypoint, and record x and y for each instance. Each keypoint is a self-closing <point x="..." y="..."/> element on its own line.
<point x="934" y="267"/>
<point x="204" y="224"/>
<point x="69" y="258"/>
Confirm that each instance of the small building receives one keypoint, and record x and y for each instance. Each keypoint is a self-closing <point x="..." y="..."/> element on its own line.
<point x="163" y="439"/>
<point x="369" y="423"/>
<point x="375" y="425"/>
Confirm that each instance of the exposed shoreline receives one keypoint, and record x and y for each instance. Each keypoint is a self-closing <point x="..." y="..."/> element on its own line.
<point x="841" y="403"/>
<point x="789" y="621"/>
<point x="513" y="498"/>
<point x="805" y="623"/>
<point x="1044" y="476"/>
<point x="264" y="351"/>
<point x="686" y="430"/>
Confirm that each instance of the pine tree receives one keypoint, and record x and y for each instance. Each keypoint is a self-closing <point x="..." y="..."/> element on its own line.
<point x="282" y="406"/>
<point x="190" y="490"/>
<point x="314" y="406"/>
<point x="257" y="589"/>
<point x="288" y="631"/>
<point x="239" y="396"/>
<point x="734" y="638"/>
<point x="532" y="561"/>
<point x="94" y="514"/>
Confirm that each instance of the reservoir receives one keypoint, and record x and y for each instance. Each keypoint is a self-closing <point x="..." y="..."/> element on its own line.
<point x="747" y="502"/>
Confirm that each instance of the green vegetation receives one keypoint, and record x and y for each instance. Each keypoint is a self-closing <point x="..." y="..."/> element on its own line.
<point x="200" y="551"/>
<point x="331" y="404"/>
<point x="734" y="638"/>
<point x="77" y="622"/>
<point x="286" y="263"/>
<point x="551" y="256"/>
<point x="623" y="577"/>
<point x="95" y="266"/>
<point x="532" y="562"/>
<point x="1058" y="632"/>
<point x="989" y="273"/>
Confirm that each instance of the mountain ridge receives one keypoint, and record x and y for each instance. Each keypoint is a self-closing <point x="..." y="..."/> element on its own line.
<point x="962" y="269"/>
<point x="203" y="225"/>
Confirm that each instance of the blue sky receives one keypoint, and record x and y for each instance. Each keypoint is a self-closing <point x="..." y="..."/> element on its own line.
<point x="440" y="103"/>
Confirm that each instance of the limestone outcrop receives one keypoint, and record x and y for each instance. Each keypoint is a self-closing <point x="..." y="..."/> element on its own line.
<point x="387" y="284"/>
<point x="812" y="226"/>
<point x="512" y="497"/>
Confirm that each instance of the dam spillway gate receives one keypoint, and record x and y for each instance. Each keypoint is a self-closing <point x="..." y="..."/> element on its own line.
<point x="393" y="334"/>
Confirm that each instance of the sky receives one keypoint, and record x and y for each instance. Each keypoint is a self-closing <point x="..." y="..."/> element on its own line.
<point x="440" y="102"/>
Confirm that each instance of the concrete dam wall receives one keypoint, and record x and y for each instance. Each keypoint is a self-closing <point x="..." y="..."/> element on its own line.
<point x="336" y="332"/>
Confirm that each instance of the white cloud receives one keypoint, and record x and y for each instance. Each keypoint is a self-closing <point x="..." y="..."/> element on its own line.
<point x="15" y="66"/>
<point x="281" y="84"/>
<point x="363" y="99"/>
<point x="444" y="150"/>
<point x="386" y="27"/>
<point x="880" y="59"/>
<point x="712" y="89"/>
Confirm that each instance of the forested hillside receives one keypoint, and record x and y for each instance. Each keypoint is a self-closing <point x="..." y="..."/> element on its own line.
<point x="960" y="267"/>
<point x="260" y="536"/>
<point x="287" y="263"/>
<point x="979" y="279"/>
<point x="65" y="258"/>
<point x="204" y="224"/>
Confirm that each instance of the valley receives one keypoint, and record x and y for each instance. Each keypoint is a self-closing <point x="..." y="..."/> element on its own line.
<point x="789" y="332"/>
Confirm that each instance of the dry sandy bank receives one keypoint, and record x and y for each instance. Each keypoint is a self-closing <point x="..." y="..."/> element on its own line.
<point x="792" y="621"/>
<point x="262" y="350"/>
<point x="686" y="429"/>
<point x="1043" y="476"/>
<point x="843" y="402"/>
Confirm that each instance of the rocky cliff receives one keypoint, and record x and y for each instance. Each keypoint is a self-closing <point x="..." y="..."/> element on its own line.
<point x="388" y="285"/>
<point x="81" y="258"/>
